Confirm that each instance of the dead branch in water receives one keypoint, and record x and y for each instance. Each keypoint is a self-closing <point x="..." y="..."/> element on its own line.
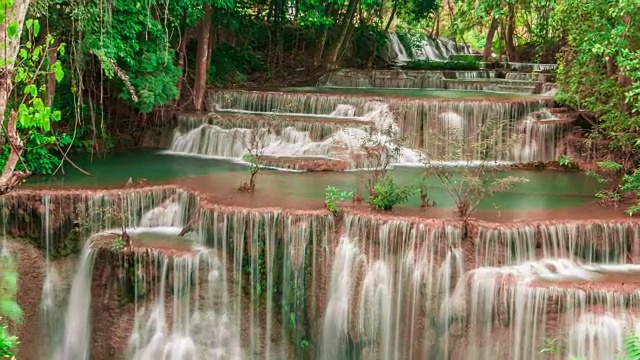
<point x="66" y="158"/>
<point x="190" y="225"/>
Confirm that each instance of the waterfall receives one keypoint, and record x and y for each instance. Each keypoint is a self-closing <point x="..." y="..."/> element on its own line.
<point x="418" y="120"/>
<point x="531" y="67"/>
<point x="541" y="132"/>
<point x="439" y="49"/>
<point x="76" y="337"/>
<point x="398" y="49"/>
<point x="344" y="110"/>
<point x="170" y="214"/>
<point x="284" y="284"/>
<point x="198" y="330"/>
<point x="523" y="299"/>
<point x="433" y="49"/>
<point x="386" y="282"/>
<point x="603" y="242"/>
<point x="596" y="337"/>
<point x="77" y="329"/>
<point x="335" y="328"/>
<point x="345" y="144"/>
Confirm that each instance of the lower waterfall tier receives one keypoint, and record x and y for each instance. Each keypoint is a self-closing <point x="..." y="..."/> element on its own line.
<point x="278" y="284"/>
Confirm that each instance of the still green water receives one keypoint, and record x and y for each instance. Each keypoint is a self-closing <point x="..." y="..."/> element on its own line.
<point x="412" y="93"/>
<point x="544" y="190"/>
<point x="116" y="169"/>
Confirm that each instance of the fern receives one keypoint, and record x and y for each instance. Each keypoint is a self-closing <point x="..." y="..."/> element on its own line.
<point x="632" y="346"/>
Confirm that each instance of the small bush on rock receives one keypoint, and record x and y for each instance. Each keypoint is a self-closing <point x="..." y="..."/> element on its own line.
<point x="387" y="194"/>
<point x="333" y="195"/>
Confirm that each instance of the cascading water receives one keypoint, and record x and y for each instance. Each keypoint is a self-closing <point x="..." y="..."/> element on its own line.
<point x="345" y="144"/>
<point x="274" y="284"/>
<point x="199" y="329"/>
<point x="541" y="134"/>
<point x="433" y="49"/>
<point x="441" y="80"/>
<point x="170" y="213"/>
<point x="418" y="120"/>
<point x="387" y="280"/>
<point x="531" y="67"/>
<point x="76" y="338"/>
<point x="439" y="49"/>
<point x="397" y="48"/>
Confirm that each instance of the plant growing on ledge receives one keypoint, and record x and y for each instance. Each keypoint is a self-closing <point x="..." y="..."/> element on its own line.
<point x="387" y="194"/>
<point x="254" y="141"/>
<point x="566" y="162"/>
<point x="333" y="195"/>
<point x="97" y="217"/>
<point x="478" y="173"/>
<point x="423" y="188"/>
<point x="631" y="184"/>
<point x="610" y="175"/>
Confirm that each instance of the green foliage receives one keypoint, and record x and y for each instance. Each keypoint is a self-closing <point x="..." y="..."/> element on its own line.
<point x="367" y="41"/>
<point x="464" y="58"/>
<point x="631" y="183"/>
<point x="470" y="183"/>
<point x="7" y="343"/>
<point x="409" y="42"/>
<point x="632" y="346"/>
<point x="119" y="243"/>
<point x="566" y="162"/>
<point x="333" y="195"/>
<point x="416" y="13"/>
<point x="34" y="117"/>
<point x="631" y="350"/>
<point x="469" y="64"/>
<point x="252" y="162"/>
<point x="599" y="69"/>
<point x="387" y="194"/>
<point x="133" y="50"/>
<point x="231" y="65"/>
<point x="608" y="174"/>
<point x="9" y="309"/>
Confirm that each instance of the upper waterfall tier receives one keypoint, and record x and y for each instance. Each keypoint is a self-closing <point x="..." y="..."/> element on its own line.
<point x="481" y="80"/>
<point x="426" y="48"/>
<point x="419" y="119"/>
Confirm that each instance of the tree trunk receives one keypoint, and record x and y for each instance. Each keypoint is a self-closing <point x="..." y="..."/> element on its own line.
<point x="511" y="28"/>
<point x="182" y="57"/>
<point x="346" y="42"/>
<point x="332" y="57"/>
<point x="393" y="15"/>
<point x="213" y="41"/>
<point x="52" y="57"/>
<point x="10" y="177"/>
<point x="200" y="85"/>
<point x="486" y="53"/>
<point x="501" y="36"/>
<point x="323" y="39"/>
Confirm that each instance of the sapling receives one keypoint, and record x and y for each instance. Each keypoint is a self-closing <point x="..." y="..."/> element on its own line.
<point x="478" y="175"/>
<point x="334" y="195"/>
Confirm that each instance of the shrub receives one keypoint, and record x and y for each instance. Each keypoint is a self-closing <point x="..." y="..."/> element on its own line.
<point x="333" y="195"/>
<point x="387" y="194"/>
